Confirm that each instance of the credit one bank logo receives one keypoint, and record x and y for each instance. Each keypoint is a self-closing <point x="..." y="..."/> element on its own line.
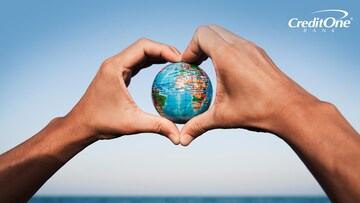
<point x="328" y="20"/>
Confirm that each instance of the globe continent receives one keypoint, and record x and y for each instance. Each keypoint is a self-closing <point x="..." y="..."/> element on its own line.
<point x="181" y="91"/>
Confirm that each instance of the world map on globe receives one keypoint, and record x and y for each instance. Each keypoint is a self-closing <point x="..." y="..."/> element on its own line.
<point x="181" y="91"/>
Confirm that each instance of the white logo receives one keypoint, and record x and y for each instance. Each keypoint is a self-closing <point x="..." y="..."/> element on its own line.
<point x="323" y="24"/>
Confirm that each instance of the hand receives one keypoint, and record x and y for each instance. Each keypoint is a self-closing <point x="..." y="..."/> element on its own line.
<point x="107" y="110"/>
<point x="251" y="92"/>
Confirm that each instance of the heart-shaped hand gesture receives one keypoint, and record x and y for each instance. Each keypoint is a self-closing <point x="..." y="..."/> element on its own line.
<point x="252" y="93"/>
<point x="249" y="86"/>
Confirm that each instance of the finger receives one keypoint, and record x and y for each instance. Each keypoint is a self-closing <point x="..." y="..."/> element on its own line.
<point x="156" y="124"/>
<point x="175" y="50"/>
<point x="144" y="49"/>
<point x="196" y="127"/>
<point x="145" y="64"/>
<point x="204" y="42"/>
<point x="228" y="36"/>
<point x="152" y="61"/>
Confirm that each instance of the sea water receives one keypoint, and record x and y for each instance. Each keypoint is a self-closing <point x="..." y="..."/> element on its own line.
<point x="243" y="199"/>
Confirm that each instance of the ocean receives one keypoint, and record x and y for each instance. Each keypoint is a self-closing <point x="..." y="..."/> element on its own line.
<point x="242" y="199"/>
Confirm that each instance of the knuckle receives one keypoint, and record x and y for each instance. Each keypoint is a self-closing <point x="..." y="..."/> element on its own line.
<point x="198" y="129"/>
<point x="201" y="29"/>
<point x="250" y="45"/>
<point x="142" y="40"/>
<point x="261" y="50"/>
<point x="107" y="62"/>
<point x="106" y="68"/>
<point x="213" y="25"/>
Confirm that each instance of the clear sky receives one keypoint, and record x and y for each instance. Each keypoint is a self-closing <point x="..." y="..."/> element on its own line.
<point x="51" y="50"/>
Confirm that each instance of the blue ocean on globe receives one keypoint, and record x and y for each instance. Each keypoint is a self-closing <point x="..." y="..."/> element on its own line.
<point x="181" y="91"/>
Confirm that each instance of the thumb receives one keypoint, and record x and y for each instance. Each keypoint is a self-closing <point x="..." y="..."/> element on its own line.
<point x="156" y="124"/>
<point x="196" y="127"/>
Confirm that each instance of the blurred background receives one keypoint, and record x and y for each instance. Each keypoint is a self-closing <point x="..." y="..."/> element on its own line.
<point x="50" y="51"/>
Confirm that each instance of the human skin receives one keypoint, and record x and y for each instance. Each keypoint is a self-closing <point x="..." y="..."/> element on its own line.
<point x="105" y="111"/>
<point x="253" y="93"/>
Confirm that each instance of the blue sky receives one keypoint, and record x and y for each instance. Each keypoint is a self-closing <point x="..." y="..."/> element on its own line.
<point x="51" y="50"/>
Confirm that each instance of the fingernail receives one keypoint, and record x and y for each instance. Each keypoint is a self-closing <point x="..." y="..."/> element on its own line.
<point x="186" y="139"/>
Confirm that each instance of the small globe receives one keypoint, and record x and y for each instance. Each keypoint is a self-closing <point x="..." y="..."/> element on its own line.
<point x="181" y="91"/>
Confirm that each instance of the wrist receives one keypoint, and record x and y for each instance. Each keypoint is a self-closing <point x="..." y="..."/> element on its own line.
<point x="313" y="121"/>
<point x="301" y="118"/>
<point x="64" y="137"/>
<point x="76" y="128"/>
<point x="327" y="144"/>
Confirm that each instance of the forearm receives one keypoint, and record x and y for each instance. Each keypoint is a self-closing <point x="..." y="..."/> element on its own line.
<point x="328" y="146"/>
<point x="25" y="168"/>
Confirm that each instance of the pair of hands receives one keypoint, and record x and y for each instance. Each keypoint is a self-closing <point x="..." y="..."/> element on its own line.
<point x="251" y="92"/>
